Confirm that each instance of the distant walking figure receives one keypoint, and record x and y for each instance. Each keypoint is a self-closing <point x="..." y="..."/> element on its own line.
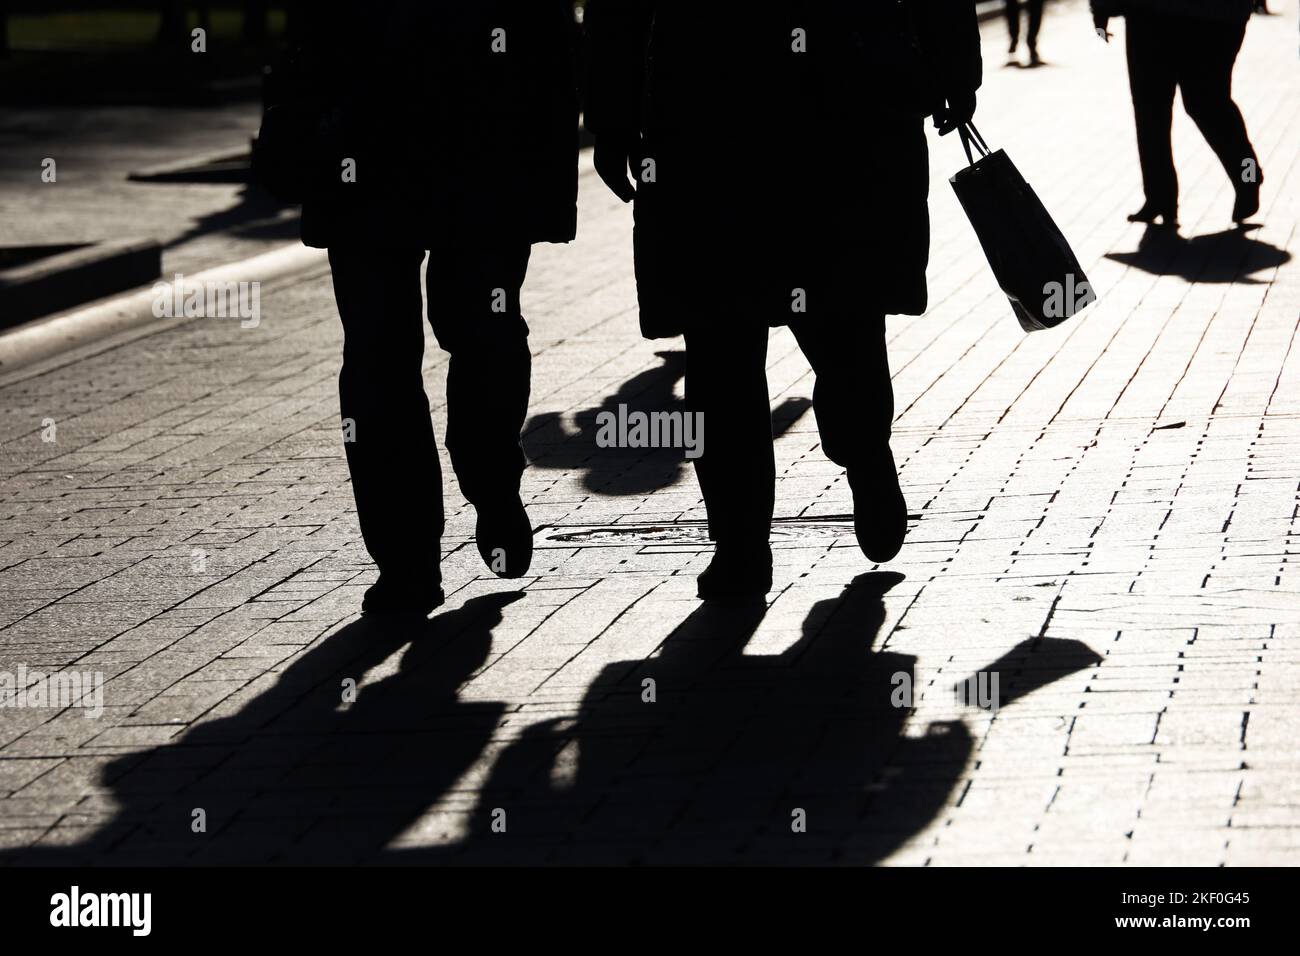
<point x="1035" y="24"/>
<point x="1188" y="45"/>
<point x="456" y="129"/>
<point x="780" y="164"/>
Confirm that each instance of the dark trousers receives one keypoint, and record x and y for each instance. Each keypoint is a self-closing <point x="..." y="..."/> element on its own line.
<point x="473" y="306"/>
<point x="726" y="380"/>
<point x="1168" y="52"/>
<point x="1035" y="21"/>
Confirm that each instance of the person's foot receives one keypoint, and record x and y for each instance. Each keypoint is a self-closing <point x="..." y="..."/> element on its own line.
<point x="1150" y="212"/>
<point x="736" y="572"/>
<point x="390" y="598"/>
<point x="1015" y="42"/>
<point x="504" y="536"/>
<point x="1247" y="203"/>
<point x="879" y="509"/>
<point x="1034" y="58"/>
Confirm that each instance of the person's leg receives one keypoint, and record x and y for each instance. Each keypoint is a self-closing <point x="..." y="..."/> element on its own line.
<point x="474" y="309"/>
<point x="1153" y="82"/>
<point x="1035" y="24"/>
<point x="853" y="398"/>
<point x="726" y="384"/>
<point x="1205" y="77"/>
<point x="388" y="433"/>
<point x="853" y="395"/>
<point x="1013" y="23"/>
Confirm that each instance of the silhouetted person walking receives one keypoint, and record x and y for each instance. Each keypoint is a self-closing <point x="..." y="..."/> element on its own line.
<point x="457" y="128"/>
<point x="1035" y="24"/>
<point x="781" y="174"/>
<point x="1188" y="45"/>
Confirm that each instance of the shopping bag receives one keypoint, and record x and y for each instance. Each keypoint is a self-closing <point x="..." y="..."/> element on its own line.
<point x="1029" y="255"/>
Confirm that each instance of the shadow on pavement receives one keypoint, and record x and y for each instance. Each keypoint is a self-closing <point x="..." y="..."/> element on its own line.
<point x="551" y="444"/>
<point x="736" y="746"/>
<point x="255" y="216"/>
<point x="716" y="769"/>
<point x="1228" y="256"/>
<point x="295" y="776"/>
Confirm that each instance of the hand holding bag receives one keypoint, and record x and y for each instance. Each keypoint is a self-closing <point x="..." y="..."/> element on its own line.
<point x="1029" y="255"/>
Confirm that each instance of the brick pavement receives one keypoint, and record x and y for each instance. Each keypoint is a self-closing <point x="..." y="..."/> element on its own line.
<point x="1103" y="516"/>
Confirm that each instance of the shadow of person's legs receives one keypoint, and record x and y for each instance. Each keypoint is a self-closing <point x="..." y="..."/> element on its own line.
<point x="306" y="771"/>
<point x="703" y="753"/>
<point x="622" y="471"/>
<point x="1229" y="256"/>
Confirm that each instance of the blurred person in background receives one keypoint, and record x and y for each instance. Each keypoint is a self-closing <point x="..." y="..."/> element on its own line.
<point x="1035" y="24"/>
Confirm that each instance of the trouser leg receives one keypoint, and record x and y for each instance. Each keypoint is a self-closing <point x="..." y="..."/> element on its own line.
<point x="726" y="382"/>
<point x="1205" y="77"/>
<point x="853" y="396"/>
<point x="1035" y="22"/>
<point x="1013" y="20"/>
<point x="1153" y="82"/>
<point x="388" y="433"/>
<point x="474" y="309"/>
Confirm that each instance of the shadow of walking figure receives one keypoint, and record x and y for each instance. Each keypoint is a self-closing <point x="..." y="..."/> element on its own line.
<point x="628" y="471"/>
<point x="299" y="775"/>
<point x="1228" y="256"/>
<point x="736" y="750"/>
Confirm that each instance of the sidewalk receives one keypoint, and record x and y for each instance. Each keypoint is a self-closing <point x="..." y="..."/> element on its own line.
<point x="95" y="148"/>
<point x="1103" y="517"/>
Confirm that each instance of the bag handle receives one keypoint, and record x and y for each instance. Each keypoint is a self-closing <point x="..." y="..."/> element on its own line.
<point x="969" y="134"/>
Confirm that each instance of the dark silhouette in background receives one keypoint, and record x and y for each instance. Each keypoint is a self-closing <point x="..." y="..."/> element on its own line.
<point x="1188" y="45"/>
<point x="779" y="165"/>
<point x="1031" y="36"/>
<point x="450" y="128"/>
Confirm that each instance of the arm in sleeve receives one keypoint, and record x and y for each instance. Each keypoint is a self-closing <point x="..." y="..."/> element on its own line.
<point x="950" y="30"/>
<point x="618" y="33"/>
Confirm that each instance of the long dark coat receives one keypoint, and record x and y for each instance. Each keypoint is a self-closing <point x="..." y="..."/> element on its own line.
<point x="1230" y="11"/>
<point x="461" y="116"/>
<point x="784" y="147"/>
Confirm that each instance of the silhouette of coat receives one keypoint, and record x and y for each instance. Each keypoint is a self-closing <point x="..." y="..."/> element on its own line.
<point x="1233" y="11"/>
<point x="783" y="145"/>
<point x="462" y="119"/>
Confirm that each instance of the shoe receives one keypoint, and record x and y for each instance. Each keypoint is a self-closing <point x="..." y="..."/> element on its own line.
<point x="879" y="509"/>
<point x="504" y="536"/>
<point x="1034" y="58"/>
<point x="736" y="572"/>
<point x="1150" y="212"/>
<point x="1247" y="203"/>
<point x="389" y="598"/>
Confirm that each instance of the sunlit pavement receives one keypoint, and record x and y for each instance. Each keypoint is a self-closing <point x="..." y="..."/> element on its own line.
<point x="1104" y="517"/>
